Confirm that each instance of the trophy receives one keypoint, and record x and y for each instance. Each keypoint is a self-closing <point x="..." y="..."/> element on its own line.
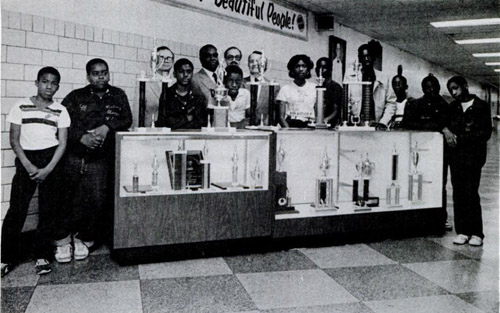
<point x="320" y="92"/>
<point x="256" y="174"/>
<point x="220" y="93"/>
<point x="365" y="168"/>
<point x="234" y="176"/>
<point x="415" y="179"/>
<point x="153" y="62"/>
<point x="324" y="186"/>
<point x="135" y="179"/>
<point x="281" y="156"/>
<point x="262" y="66"/>
<point x="154" y="176"/>
<point x="393" y="190"/>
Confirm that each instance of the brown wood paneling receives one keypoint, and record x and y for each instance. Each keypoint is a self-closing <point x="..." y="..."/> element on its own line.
<point x="174" y="219"/>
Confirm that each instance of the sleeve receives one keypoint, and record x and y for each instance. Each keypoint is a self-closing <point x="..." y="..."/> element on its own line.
<point x="283" y="94"/>
<point x="64" y="119"/>
<point x="76" y="129"/>
<point x="389" y="111"/>
<point x="125" y="120"/>
<point x="15" y="115"/>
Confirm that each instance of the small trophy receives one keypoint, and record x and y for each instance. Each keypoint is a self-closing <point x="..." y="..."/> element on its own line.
<point x="262" y="66"/>
<point x="135" y="179"/>
<point x="234" y="158"/>
<point x="154" y="176"/>
<point x="415" y="179"/>
<point x="324" y="186"/>
<point x="281" y="156"/>
<point x="365" y="168"/>
<point x="393" y="190"/>
<point x="155" y="65"/>
<point x="220" y="93"/>
<point x="256" y="174"/>
<point x="206" y="167"/>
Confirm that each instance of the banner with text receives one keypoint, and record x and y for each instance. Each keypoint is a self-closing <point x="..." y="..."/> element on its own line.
<point x="265" y="14"/>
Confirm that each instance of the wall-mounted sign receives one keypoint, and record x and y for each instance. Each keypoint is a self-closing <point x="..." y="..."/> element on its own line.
<point x="265" y="14"/>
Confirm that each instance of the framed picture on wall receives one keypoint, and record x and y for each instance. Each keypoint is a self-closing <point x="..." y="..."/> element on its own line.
<point x="336" y="53"/>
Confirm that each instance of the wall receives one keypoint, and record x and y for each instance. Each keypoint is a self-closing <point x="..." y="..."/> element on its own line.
<point x="66" y="34"/>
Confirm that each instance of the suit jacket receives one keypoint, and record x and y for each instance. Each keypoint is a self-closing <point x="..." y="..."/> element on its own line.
<point x="263" y="99"/>
<point x="204" y="86"/>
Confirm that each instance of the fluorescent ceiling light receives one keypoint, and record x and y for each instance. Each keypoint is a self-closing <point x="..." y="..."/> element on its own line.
<point x="492" y="63"/>
<point x="497" y="70"/>
<point x="459" y="23"/>
<point x="477" y="41"/>
<point x="486" y="55"/>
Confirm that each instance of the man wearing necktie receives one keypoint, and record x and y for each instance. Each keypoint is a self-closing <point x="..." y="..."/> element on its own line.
<point x="205" y="80"/>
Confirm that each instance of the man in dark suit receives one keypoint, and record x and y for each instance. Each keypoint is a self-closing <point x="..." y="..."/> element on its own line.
<point x="205" y="80"/>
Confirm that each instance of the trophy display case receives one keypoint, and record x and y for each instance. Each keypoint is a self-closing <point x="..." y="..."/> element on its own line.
<point x="370" y="175"/>
<point x="185" y="187"/>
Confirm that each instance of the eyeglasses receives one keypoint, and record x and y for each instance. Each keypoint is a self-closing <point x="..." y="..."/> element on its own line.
<point x="234" y="57"/>
<point x="165" y="58"/>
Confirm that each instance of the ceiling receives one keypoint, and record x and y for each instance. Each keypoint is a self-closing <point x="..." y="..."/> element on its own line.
<point x="405" y="24"/>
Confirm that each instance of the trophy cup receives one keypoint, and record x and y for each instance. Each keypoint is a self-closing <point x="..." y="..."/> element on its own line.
<point x="154" y="176"/>
<point x="234" y="176"/>
<point x="415" y="179"/>
<point x="393" y="190"/>
<point x="155" y="62"/>
<point x="324" y="186"/>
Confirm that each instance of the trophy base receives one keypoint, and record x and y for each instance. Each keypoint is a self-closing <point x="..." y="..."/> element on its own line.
<point x="286" y="210"/>
<point x="356" y="128"/>
<point x="394" y="205"/>
<point x="152" y="130"/>
<point x="362" y="208"/>
<point x="207" y="129"/>
<point x="324" y="208"/>
<point x="318" y="126"/>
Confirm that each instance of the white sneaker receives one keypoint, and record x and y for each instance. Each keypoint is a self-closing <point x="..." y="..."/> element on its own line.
<point x="460" y="239"/>
<point x="81" y="251"/>
<point x="64" y="253"/>
<point x="475" y="241"/>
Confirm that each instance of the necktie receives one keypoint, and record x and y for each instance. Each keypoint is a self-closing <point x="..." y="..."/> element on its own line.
<point x="215" y="77"/>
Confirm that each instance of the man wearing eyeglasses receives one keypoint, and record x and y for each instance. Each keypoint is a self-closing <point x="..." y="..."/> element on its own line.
<point x="233" y="56"/>
<point x="166" y="58"/>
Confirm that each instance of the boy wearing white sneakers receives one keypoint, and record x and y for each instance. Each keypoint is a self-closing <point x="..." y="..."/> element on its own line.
<point x="97" y="111"/>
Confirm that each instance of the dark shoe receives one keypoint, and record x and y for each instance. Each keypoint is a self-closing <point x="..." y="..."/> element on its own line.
<point x="42" y="267"/>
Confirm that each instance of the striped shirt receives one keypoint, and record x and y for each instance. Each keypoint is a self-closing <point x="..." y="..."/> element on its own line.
<point x="38" y="126"/>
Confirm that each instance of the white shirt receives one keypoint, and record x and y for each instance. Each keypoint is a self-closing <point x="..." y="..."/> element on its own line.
<point x="300" y="100"/>
<point x="238" y="106"/>
<point x="38" y="126"/>
<point x="210" y="74"/>
<point x="466" y="105"/>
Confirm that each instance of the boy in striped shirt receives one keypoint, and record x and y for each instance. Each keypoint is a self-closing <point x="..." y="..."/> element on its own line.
<point x="38" y="134"/>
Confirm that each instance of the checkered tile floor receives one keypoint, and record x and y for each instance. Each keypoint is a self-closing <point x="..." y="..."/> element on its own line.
<point x="412" y="275"/>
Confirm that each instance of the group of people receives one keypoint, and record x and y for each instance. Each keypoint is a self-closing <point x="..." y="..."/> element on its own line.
<point x="66" y="150"/>
<point x="77" y="136"/>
